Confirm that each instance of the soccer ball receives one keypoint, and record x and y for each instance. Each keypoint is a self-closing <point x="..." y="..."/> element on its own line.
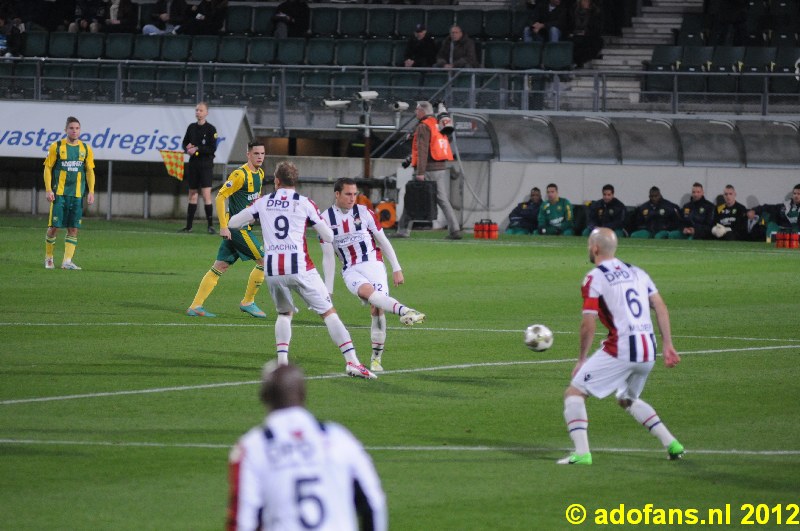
<point x="538" y="337"/>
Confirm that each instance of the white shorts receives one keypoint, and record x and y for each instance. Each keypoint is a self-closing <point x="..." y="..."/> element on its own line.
<point x="307" y="284"/>
<point x="366" y="273"/>
<point x="603" y="374"/>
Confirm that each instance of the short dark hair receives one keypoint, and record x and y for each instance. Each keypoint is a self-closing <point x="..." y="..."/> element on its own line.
<point x="796" y="187"/>
<point x="609" y="187"/>
<point x="536" y="189"/>
<point x="655" y="189"/>
<point x="254" y="143"/>
<point x="697" y="185"/>
<point x="286" y="173"/>
<point x="340" y="183"/>
<point x="72" y="120"/>
<point x="553" y="185"/>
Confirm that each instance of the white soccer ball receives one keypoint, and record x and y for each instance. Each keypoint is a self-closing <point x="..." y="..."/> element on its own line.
<point x="538" y="337"/>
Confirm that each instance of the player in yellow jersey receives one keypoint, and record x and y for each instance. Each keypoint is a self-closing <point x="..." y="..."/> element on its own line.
<point x="68" y="174"/>
<point x="241" y="189"/>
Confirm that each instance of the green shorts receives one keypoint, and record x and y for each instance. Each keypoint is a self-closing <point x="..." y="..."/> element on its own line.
<point x="66" y="212"/>
<point x="243" y="245"/>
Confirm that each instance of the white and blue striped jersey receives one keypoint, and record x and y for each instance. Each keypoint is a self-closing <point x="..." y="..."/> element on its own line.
<point x="619" y="294"/>
<point x="352" y="234"/>
<point x="295" y="473"/>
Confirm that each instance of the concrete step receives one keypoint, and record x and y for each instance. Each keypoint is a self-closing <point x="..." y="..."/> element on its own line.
<point x="643" y="42"/>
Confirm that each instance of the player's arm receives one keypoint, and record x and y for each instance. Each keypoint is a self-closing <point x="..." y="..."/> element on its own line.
<point x="671" y="357"/>
<point x="89" y="169"/>
<point x="588" y="328"/>
<point x="49" y="162"/>
<point x="234" y="183"/>
<point x="328" y="265"/>
<point x="391" y="256"/>
<point x="244" y="505"/>
<point x="243" y="218"/>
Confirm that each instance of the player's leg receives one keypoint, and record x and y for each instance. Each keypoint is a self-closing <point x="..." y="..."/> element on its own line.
<point x="284" y="305"/>
<point x="283" y="337"/>
<point x="207" y="285"/>
<point x="368" y="281"/>
<point x="628" y="399"/>
<point x="50" y="243"/>
<point x="73" y="212"/>
<point x="578" y="427"/>
<point x="250" y="248"/>
<point x="378" y="337"/>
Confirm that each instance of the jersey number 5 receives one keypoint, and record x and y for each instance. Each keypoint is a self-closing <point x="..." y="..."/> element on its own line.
<point x="309" y="504"/>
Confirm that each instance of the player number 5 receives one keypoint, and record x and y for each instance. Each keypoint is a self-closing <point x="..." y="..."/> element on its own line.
<point x="309" y="505"/>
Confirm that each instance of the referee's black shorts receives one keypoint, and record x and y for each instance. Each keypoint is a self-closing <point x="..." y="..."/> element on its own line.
<point x="199" y="173"/>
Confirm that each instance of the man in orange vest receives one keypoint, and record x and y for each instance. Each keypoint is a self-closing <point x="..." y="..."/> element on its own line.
<point x="430" y="151"/>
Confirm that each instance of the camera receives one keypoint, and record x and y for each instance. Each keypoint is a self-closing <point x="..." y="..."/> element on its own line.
<point x="336" y="104"/>
<point x="400" y="106"/>
<point x="406" y="162"/>
<point x="445" y="122"/>
<point x="367" y="95"/>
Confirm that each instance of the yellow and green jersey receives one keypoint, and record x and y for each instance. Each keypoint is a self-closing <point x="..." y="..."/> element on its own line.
<point x="69" y="169"/>
<point x="241" y="189"/>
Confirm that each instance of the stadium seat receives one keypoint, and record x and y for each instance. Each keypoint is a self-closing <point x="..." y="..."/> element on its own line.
<point x="345" y="84"/>
<point x="379" y="52"/>
<point x="784" y="15"/>
<point x="439" y="22"/>
<point x="56" y="80"/>
<point x="290" y="51"/>
<point x="780" y="39"/>
<point x="557" y="55"/>
<point x="257" y="85"/>
<point x="665" y="58"/>
<point x="399" y="53"/>
<point x="139" y="85"/>
<point x="406" y="86"/>
<point x="407" y="20"/>
<point x="349" y="52"/>
<point x="757" y="60"/>
<point x="90" y="45"/>
<point x="6" y="79"/>
<point x="519" y="21"/>
<point x="145" y="13"/>
<point x="497" y="54"/>
<point x="756" y="23"/>
<point x="233" y="49"/>
<point x="24" y="79"/>
<point x="176" y="47"/>
<point x="324" y="21"/>
<point x="147" y="47"/>
<point x="353" y="23"/>
<point x="109" y="82"/>
<point x="695" y="59"/>
<point x="317" y="84"/>
<point x="497" y="24"/>
<point x="728" y="60"/>
<point x="62" y="44"/>
<point x="204" y="48"/>
<point x="320" y="51"/>
<point x="787" y="61"/>
<point x="526" y="55"/>
<point x="262" y="21"/>
<point x="35" y="44"/>
<point x="119" y="46"/>
<point x="239" y="19"/>
<point x="471" y="22"/>
<point x="381" y="23"/>
<point x="261" y="50"/>
<point x="171" y="83"/>
<point x="84" y="80"/>
<point x="227" y="85"/>
<point x="692" y="30"/>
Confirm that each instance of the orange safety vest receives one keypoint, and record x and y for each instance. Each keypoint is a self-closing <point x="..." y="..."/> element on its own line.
<point x="439" y="148"/>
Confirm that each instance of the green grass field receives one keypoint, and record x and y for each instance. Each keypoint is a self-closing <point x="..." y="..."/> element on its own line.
<point x="117" y="410"/>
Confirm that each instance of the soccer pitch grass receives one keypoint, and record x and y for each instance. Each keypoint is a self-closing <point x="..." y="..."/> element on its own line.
<point x="117" y="410"/>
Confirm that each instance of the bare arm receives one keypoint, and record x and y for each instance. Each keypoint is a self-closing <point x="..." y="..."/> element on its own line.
<point x="671" y="357"/>
<point x="588" y="328"/>
<point x="328" y="265"/>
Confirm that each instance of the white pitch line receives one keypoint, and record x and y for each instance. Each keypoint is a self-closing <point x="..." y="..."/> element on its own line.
<point x="340" y="375"/>
<point x="458" y="448"/>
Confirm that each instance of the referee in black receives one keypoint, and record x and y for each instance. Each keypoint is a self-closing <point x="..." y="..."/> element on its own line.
<point x="200" y="142"/>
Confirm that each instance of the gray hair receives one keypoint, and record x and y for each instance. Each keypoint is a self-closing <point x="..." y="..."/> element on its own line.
<point x="425" y="106"/>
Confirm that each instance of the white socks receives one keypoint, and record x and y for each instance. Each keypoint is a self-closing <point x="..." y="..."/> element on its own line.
<point x="341" y="337"/>
<point x="283" y="336"/>
<point x="386" y="303"/>
<point x="378" y="335"/>
<point x="577" y="422"/>
<point x="647" y="417"/>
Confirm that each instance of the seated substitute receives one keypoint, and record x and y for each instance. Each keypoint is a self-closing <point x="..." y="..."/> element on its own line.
<point x="782" y="217"/>
<point x="608" y="212"/>
<point x="730" y="219"/>
<point x="657" y="217"/>
<point x="524" y="219"/>
<point x="698" y="217"/>
<point x="555" y="216"/>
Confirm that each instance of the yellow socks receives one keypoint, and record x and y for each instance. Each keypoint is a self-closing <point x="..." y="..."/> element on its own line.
<point x="253" y="283"/>
<point x="207" y="285"/>
<point x="49" y="246"/>
<point x="70" y="242"/>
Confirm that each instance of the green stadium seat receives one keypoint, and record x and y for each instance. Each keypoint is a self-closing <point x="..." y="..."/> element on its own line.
<point x="757" y="60"/>
<point x="324" y="21"/>
<point x="140" y="83"/>
<point x="406" y="86"/>
<point x="320" y="51"/>
<point x="665" y="58"/>
<point x="379" y="52"/>
<point x="62" y="44"/>
<point x="233" y="49"/>
<point x="317" y="84"/>
<point x="557" y="55"/>
<point x="35" y="44"/>
<point x="439" y="22"/>
<point x="526" y="55"/>
<point x="786" y="61"/>
<point x="262" y="21"/>
<point x="147" y="47"/>
<point x="25" y="79"/>
<point x="350" y="52"/>
<point x="204" y="48"/>
<point x="497" y="54"/>
<point x="725" y="60"/>
<point x="407" y="20"/>
<point x="171" y="82"/>
<point x="90" y="45"/>
<point x="471" y="22"/>
<point x="353" y="23"/>
<point x="290" y="51"/>
<point x="119" y="46"/>
<point x="239" y="19"/>
<point x="692" y="31"/>
<point x="382" y="23"/>
<point x="261" y="50"/>
<point x="176" y="47"/>
<point x="497" y="24"/>
<point x="257" y="86"/>
<point x="227" y="85"/>
<point x="84" y="80"/>
<point x="346" y="84"/>
<point x="56" y="80"/>
<point x="695" y="59"/>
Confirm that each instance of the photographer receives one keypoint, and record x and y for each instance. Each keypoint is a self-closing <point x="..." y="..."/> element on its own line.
<point x="430" y="151"/>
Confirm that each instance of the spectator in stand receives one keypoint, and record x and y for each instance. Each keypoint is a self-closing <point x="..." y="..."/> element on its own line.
<point x="555" y="216"/>
<point x="587" y="32"/>
<point x="89" y="16"/>
<point x="549" y="21"/>
<point x="698" y="217"/>
<point x="11" y="38"/>
<point x="122" y="17"/>
<point x="420" y="49"/>
<point x="657" y="217"/>
<point x="168" y="15"/>
<point x="730" y="219"/>
<point x="205" y="18"/>
<point x="783" y="216"/>
<point x="608" y="212"/>
<point x="292" y="19"/>
<point x="457" y="51"/>
<point x="524" y="219"/>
